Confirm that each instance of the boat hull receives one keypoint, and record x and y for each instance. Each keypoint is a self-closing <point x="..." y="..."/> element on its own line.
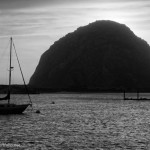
<point x="6" y="109"/>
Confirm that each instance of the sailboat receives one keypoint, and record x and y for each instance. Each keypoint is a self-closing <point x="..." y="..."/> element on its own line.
<point x="10" y="108"/>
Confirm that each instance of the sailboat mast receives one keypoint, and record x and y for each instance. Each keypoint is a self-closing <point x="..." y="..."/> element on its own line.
<point x="9" y="88"/>
<point x="137" y="94"/>
<point x="124" y="95"/>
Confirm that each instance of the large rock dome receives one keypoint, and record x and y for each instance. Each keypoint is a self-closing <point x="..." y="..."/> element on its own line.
<point x="101" y="55"/>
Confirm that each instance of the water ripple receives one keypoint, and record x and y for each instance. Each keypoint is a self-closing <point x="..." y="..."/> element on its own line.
<point x="78" y="122"/>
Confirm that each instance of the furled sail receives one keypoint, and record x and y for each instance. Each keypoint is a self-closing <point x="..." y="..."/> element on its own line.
<point x="6" y="97"/>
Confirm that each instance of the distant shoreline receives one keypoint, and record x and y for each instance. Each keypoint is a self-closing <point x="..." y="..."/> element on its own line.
<point x="20" y="89"/>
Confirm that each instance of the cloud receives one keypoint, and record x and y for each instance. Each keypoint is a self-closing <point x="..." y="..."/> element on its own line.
<point x="45" y="19"/>
<point x="17" y="4"/>
<point x="14" y="4"/>
<point x="49" y="15"/>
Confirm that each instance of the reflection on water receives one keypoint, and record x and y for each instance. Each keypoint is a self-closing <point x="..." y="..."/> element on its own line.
<point x="78" y="122"/>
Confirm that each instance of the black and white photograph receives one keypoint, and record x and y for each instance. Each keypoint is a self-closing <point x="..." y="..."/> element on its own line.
<point x="74" y="74"/>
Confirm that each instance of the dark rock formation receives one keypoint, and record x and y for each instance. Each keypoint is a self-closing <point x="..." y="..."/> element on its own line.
<point x="101" y="55"/>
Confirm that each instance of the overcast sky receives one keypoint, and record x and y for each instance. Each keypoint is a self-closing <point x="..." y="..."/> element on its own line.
<point x="37" y="24"/>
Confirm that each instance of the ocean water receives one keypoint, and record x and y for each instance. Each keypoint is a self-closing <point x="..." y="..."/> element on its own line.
<point x="78" y="122"/>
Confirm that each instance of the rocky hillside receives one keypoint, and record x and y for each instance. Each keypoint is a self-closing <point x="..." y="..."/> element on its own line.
<point x="101" y="55"/>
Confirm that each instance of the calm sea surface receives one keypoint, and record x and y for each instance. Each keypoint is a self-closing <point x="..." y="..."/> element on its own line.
<point x="78" y="122"/>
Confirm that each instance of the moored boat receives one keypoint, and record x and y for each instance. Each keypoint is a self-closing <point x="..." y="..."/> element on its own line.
<point x="10" y="108"/>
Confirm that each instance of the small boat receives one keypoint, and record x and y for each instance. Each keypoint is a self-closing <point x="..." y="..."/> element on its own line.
<point x="138" y="98"/>
<point x="9" y="108"/>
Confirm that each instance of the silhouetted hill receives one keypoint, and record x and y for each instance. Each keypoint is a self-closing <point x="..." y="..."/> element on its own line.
<point x="101" y="55"/>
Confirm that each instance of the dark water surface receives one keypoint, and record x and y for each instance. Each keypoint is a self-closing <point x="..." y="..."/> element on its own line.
<point x="78" y="122"/>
